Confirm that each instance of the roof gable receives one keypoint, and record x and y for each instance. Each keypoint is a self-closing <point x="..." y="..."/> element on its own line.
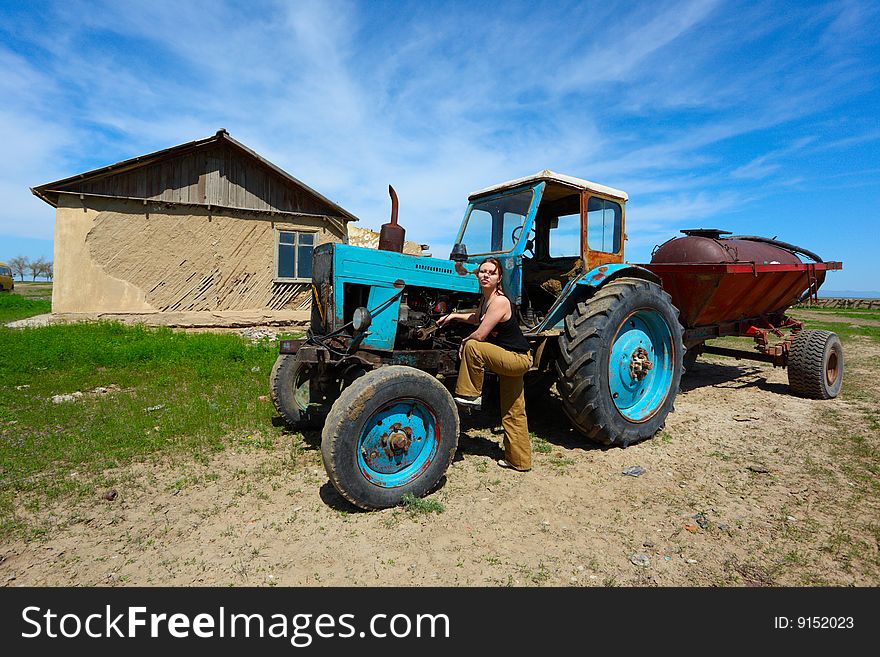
<point x="216" y="171"/>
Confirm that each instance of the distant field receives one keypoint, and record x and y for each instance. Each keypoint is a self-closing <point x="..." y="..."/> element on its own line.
<point x="35" y="290"/>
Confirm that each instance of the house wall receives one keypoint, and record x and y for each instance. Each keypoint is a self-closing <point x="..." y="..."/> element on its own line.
<point x="117" y="256"/>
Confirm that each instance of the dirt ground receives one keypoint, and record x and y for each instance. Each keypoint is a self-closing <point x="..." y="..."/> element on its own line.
<point x="746" y="486"/>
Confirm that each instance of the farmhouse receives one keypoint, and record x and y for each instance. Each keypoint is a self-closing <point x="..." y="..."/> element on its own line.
<point x="207" y="232"/>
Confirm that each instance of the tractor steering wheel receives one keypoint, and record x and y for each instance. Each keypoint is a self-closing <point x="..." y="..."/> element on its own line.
<point x="515" y="234"/>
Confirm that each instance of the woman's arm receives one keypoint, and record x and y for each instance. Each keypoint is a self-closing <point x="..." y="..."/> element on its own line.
<point x="467" y="317"/>
<point x="499" y="311"/>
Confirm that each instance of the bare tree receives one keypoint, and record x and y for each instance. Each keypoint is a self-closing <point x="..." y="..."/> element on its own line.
<point x="35" y="267"/>
<point x="19" y="265"/>
<point x="49" y="270"/>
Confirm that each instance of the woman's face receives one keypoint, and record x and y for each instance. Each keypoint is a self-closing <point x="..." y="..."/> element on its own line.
<point x="488" y="276"/>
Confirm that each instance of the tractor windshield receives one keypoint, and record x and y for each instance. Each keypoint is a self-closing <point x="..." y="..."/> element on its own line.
<point x="495" y="225"/>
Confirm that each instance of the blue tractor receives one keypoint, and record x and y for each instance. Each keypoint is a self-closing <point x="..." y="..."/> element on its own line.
<point x="376" y="372"/>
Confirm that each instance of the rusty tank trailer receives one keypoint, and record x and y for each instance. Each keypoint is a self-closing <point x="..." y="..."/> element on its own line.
<point x="743" y="286"/>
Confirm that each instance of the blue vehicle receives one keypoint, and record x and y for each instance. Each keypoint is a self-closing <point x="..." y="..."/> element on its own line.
<point x="376" y="372"/>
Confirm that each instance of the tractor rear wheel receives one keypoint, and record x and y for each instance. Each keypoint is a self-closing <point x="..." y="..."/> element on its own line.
<point x="392" y="432"/>
<point x="620" y="362"/>
<point x="815" y="364"/>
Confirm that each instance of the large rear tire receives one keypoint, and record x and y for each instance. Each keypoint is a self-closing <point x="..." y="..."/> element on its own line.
<point x="620" y="362"/>
<point x="392" y="432"/>
<point x="815" y="364"/>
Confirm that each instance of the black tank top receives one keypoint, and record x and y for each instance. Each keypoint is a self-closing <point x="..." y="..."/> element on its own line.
<point x="507" y="335"/>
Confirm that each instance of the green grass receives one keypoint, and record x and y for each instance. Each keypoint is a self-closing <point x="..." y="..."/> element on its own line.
<point x="419" y="505"/>
<point x="845" y="330"/>
<point x="15" y="306"/>
<point x="206" y="385"/>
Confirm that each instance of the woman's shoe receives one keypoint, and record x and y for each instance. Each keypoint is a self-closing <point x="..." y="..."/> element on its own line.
<point x="469" y="402"/>
<point x="505" y="464"/>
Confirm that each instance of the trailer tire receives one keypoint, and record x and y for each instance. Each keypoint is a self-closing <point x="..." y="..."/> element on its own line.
<point x="815" y="364"/>
<point x="391" y="433"/>
<point x="598" y="349"/>
<point x="290" y="388"/>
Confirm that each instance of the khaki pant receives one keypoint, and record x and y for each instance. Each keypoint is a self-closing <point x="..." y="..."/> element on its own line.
<point x="510" y="368"/>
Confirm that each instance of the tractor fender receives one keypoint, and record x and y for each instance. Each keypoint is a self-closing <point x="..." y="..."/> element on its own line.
<point x="585" y="286"/>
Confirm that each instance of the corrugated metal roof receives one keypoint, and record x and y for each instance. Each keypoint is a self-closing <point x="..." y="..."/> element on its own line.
<point x="49" y="191"/>
<point x="551" y="176"/>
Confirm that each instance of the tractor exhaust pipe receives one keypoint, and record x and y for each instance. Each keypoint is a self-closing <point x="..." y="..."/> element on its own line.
<point x="391" y="235"/>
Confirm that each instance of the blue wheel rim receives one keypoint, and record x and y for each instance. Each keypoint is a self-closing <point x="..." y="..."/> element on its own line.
<point x="640" y="366"/>
<point x="397" y="443"/>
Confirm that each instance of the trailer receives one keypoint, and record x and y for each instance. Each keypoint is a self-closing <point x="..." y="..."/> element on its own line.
<point x="746" y="292"/>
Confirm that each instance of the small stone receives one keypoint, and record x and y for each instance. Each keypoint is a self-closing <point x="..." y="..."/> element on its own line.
<point x="791" y="518"/>
<point x="702" y="520"/>
<point x="255" y="368"/>
<point x="63" y="399"/>
<point x="110" y="495"/>
<point x="648" y="544"/>
<point x="691" y="561"/>
<point x="691" y="528"/>
<point x="640" y="560"/>
<point x="634" y="471"/>
<point x="150" y="409"/>
<point x="573" y="580"/>
<point x="263" y="398"/>
<point x="23" y="387"/>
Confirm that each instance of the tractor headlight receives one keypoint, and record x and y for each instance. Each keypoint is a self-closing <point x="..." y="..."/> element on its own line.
<point x="361" y="319"/>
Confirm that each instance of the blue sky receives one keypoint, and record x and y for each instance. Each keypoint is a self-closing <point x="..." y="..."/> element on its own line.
<point x="761" y="118"/>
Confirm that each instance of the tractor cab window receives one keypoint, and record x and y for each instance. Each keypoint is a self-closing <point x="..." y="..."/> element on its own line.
<point x="565" y="236"/>
<point x="495" y="225"/>
<point x="603" y="225"/>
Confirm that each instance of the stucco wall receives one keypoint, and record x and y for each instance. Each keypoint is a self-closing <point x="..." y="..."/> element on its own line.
<point x="125" y="257"/>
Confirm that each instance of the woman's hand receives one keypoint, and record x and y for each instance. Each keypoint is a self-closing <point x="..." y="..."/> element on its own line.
<point x="445" y="319"/>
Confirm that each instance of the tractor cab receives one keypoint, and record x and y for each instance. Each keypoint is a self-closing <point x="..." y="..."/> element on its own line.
<point x="547" y="230"/>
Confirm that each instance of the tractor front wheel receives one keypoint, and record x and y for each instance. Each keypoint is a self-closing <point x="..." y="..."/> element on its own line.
<point x="304" y="392"/>
<point x="392" y="432"/>
<point x="620" y="362"/>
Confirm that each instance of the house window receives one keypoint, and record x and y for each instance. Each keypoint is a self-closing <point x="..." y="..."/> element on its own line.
<point x="294" y="255"/>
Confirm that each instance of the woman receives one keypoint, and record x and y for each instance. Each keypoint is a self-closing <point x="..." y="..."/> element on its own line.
<point x="496" y="343"/>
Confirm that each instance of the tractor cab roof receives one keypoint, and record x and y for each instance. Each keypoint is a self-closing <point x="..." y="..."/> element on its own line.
<point x="552" y="179"/>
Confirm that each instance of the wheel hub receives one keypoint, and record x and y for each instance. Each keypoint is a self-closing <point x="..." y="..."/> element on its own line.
<point x="397" y="441"/>
<point x="640" y="364"/>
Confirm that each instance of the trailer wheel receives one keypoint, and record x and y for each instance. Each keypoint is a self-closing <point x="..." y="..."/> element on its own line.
<point x="620" y="362"/>
<point x="391" y="432"/>
<point x="815" y="364"/>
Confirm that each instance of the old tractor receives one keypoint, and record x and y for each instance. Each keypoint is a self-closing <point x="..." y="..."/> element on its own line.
<point x="376" y="372"/>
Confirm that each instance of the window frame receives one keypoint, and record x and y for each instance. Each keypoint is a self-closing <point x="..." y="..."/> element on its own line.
<point x="296" y="231"/>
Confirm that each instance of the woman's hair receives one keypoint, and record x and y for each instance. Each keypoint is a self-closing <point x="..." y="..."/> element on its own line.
<point x="497" y="264"/>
